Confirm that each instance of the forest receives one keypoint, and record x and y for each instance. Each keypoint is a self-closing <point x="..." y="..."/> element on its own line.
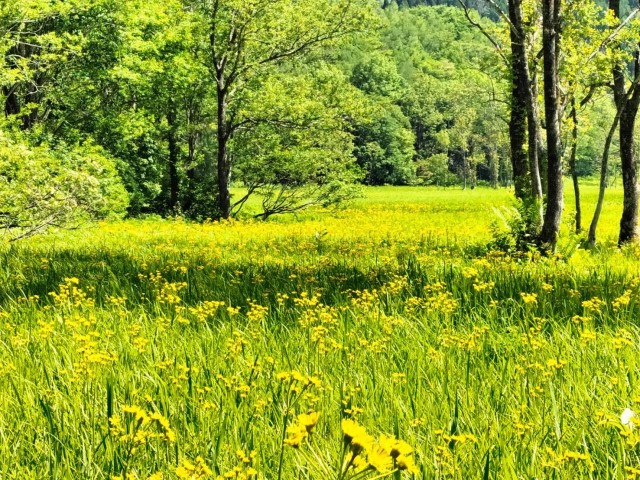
<point x="163" y="107"/>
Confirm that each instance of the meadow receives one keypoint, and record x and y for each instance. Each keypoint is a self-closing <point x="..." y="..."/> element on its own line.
<point x="389" y="339"/>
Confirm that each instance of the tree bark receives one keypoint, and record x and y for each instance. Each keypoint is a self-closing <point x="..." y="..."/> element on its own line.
<point x="519" y="111"/>
<point x="542" y="148"/>
<point x="555" y="196"/>
<point x="627" y="103"/>
<point x="629" y="220"/>
<point x="535" y="138"/>
<point x="193" y="120"/>
<point x="224" y="163"/>
<point x="12" y="102"/>
<point x="572" y="164"/>
<point x="465" y="170"/>
<point x="174" y="180"/>
<point x="494" y="168"/>
<point x="604" y="167"/>
<point x="190" y="173"/>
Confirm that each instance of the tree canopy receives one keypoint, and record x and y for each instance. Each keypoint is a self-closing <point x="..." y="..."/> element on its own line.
<point x="195" y="106"/>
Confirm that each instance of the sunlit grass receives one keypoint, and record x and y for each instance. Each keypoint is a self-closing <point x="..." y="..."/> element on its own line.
<point x="164" y="349"/>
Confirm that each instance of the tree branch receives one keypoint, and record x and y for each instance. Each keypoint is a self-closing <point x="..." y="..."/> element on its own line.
<point x="614" y="34"/>
<point x="484" y="32"/>
<point x="502" y="14"/>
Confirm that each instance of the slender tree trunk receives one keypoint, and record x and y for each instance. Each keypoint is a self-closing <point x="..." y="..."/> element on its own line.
<point x="174" y="180"/>
<point x="32" y="97"/>
<point x="190" y="173"/>
<point x="11" y="103"/>
<point x="555" y="197"/>
<point x="541" y="149"/>
<point x="535" y="139"/>
<point x="223" y="163"/>
<point x="519" y="93"/>
<point x="627" y="107"/>
<point x="629" y="220"/>
<point x="193" y="117"/>
<point x="604" y="167"/>
<point x="572" y="165"/>
<point x="465" y="170"/>
<point x="494" y="167"/>
<point x="533" y="120"/>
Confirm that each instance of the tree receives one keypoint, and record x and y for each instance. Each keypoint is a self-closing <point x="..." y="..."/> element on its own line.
<point x="627" y="100"/>
<point x="435" y="171"/>
<point x="524" y="124"/>
<point x="299" y="152"/>
<point x="44" y="180"/>
<point x="555" y="197"/>
<point x="579" y="66"/>
<point x="87" y="71"/>
<point x="384" y="141"/>
<point x="604" y="167"/>
<point x="453" y="91"/>
<point x="384" y="147"/>
<point x="247" y="40"/>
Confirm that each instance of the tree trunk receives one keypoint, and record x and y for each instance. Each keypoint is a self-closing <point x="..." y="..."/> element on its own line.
<point x="191" y="173"/>
<point x="494" y="167"/>
<point x="604" y="167"/>
<point x="32" y="97"/>
<point x="465" y="170"/>
<point x="223" y="160"/>
<point x="629" y="220"/>
<point x="534" y="151"/>
<point x="174" y="180"/>
<point x="627" y="110"/>
<point x="533" y="119"/>
<point x="541" y="150"/>
<point x="555" y="196"/>
<point x="519" y="93"/>
<point x="572" y="165"/>
<point x="12" y="102"/>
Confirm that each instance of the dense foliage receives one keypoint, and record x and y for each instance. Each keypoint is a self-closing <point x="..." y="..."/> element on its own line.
<point x="392" y="96"/>
<point x="47" y="186"/>
<point x="298" y="102"/>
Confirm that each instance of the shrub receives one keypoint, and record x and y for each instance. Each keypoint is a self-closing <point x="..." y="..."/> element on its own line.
<point x="63" y="186"/>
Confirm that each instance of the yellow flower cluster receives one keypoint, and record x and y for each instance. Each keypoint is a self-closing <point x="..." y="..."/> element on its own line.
<point x="384" y="455"/>
<point x="188" y="470"/>
<point x="557" y="460"/>
<point x="529" y="298"/>
<point x="70" y="294"/>
<point x="301" y="428"/>
<point x="244" y="470"/>
<point x="468" y="342"/>
<point x="140" y="426"/>
<point x="299" y="381"/>
<point x="594" y="305"/>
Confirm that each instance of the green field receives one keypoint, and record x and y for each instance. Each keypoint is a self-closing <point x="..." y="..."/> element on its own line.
<point x="384" y="340"/>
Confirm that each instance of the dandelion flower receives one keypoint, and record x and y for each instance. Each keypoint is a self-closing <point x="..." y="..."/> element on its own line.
<point x="356" y="436"/>
<point x="379" y="459"/>
<point x="405" y="462"/>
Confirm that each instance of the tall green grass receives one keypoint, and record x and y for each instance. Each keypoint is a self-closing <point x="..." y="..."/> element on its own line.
<point x="161" y="348"/>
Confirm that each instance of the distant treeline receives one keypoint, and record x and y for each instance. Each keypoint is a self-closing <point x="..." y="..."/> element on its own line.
<point x="164" y="105"/>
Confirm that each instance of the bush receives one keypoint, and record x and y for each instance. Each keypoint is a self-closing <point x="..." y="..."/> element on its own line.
<point x="435" y="171"/>
<point x="515" y="229"/>
<point x="44" y="186"/>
